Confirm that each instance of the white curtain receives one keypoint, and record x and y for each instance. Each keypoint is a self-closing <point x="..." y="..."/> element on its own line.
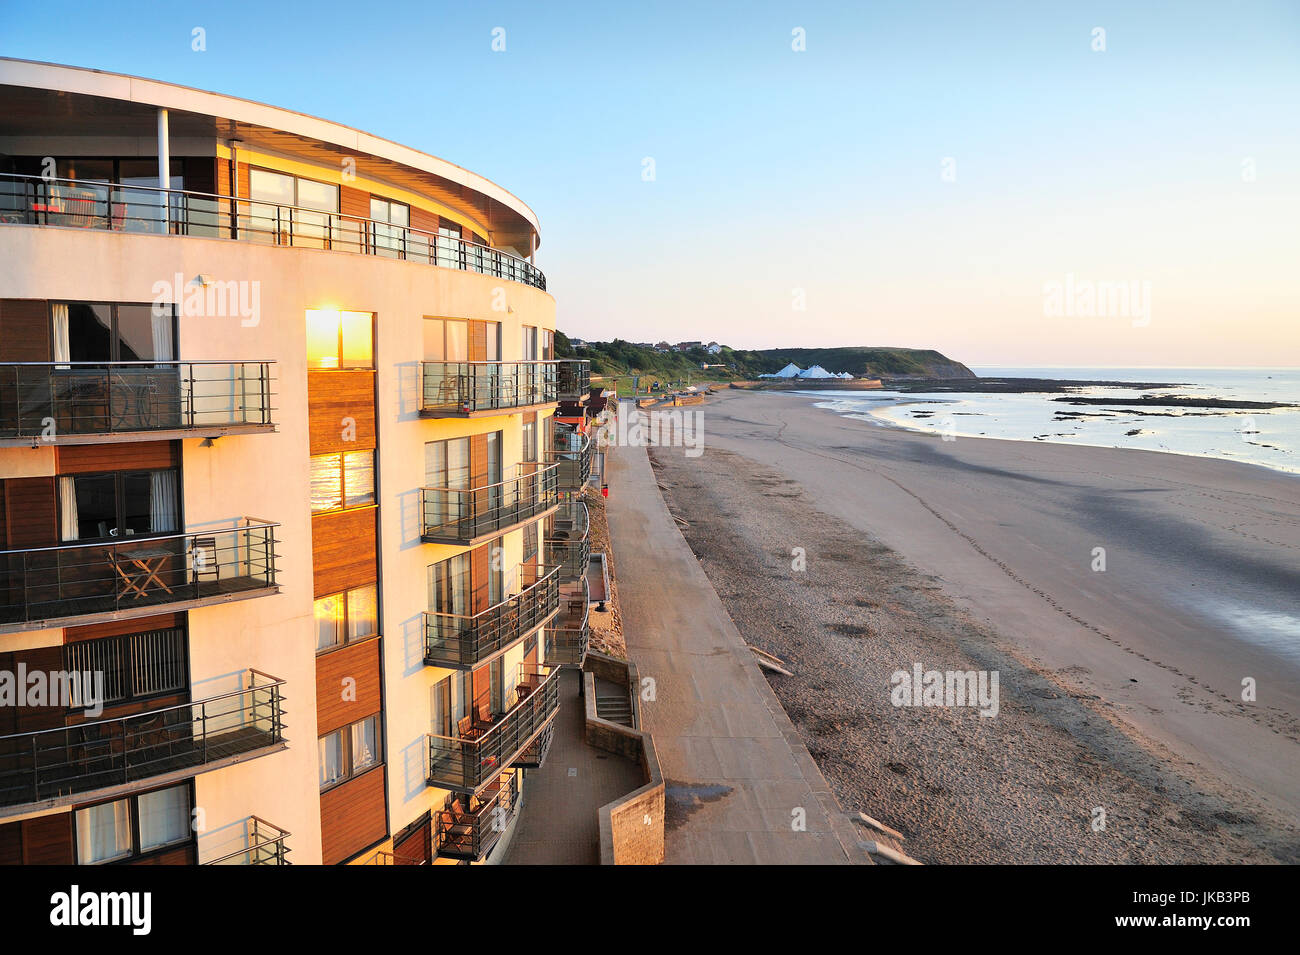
<point x="162" y="335"/>
<point x="162" y="502"/>
<point x="68" y="522"/>
<point x="104" y="832"/>
<point x="62" y="345"/>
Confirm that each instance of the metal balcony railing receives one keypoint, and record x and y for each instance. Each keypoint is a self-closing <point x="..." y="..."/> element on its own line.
<point x="575" y="379"/>
<point x="568" y="541"/>
<point x="573" y="464"/>
<point x="135" y="574"/>
<point x="51" y="764"/>
<point x="464" y="641"/>
<point x="84" y="204"/>
<point x="567" y="636"/>
<point x="461" y="389"/>
<point x="463" y="516"/>
<point x="482" y="749"/>
<point x="264" y="844"/>
<point x="51" y="400"/>
<point x="470" y="834"/>
<point x="533" y="755"/>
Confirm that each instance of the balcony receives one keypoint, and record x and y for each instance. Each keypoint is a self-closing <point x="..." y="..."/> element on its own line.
<point x="567" y="636"/>
<point x="463" y="642"/>
<point x="86" y="761"/>
<point x="573" y="463"/>
<point x="89" y="403"/>
<point x="568" y="541"/>
<point x="574" y="383"/>
<point x="534" y="754"/>
<point x="264" y="845"/>
<point x="475" y="389"/>
<point x="482" y="748"/>
<point x="120" y="578"/>
<point x="467" y="516"/>
<point x="82" y="204"/>
<point x="469" y="834"/>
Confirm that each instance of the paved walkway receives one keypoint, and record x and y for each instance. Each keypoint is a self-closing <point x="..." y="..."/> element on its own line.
<point x="558" y="824"/>
<point x="737" y="772"/>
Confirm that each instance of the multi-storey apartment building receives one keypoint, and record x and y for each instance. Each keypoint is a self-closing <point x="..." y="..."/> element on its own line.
<point x="291" y="543"/>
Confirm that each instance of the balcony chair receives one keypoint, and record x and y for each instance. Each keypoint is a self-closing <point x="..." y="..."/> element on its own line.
<point x="203" y="559"/>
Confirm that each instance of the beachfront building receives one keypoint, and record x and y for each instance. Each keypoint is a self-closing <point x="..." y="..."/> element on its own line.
<point x="285" y="521"/>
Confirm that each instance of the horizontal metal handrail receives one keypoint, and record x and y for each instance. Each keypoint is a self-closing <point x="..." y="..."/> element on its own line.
<point x="566" y="642"/>
<point x="186" y="211"/>
<point x="464" y="514"/>
<point x="136" y="540"/>
<point x="574" y="465"/>
<point x="472" y="834"/>
<point x="462" y="387"/>
<point x="466" y="763"/>
<point x="466" y="640"/>
<point x="137" y="571"/>
<point x="257" y="843"/>
<point x="52" y="399"/>
<point x="40" y="765"/>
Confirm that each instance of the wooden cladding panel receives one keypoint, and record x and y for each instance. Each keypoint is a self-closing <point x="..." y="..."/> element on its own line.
<point x="478" y="339"/>
<point x="333" y="396"/>
<point x="28" y="719"/>
<point x="125" y="456"/>
<point x="354" y="202"/>
<point x="115" y="628"/>
<point x="245" y="189"/>
<point x="31" y="512"/>
<point x="343" y="549"/>
<point x="359" y="662"/>
<point x="424" y="220"/>
<point x="45" y="840"/>
<point x="181" y="855"/>
<point x="415" y="845"/>
<point x="352" y="817"/>
<point x="24" y="329"/>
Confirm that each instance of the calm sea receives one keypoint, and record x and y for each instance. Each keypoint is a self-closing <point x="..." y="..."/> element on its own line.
<point x="1267" y="438"/>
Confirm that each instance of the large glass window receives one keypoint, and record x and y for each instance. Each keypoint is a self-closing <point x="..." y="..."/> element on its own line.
<point x="103" y="332"/>
<point x="391" y="221"/>
<point x="337" y="338"/>
<point x="118" y="504"/>
<point x="347" y="617"/>
<point x="350" y="751"/>
<point x="134" y="826"/>
<point x="275" y="193"/>
<point x="528" y="343"/>
<point x="343" y="479"/>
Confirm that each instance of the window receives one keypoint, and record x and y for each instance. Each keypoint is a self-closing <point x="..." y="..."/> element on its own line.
<point x="530" y="438"/>
<point x="310" y="225"/>
<point x="530" y="542"/>
<point x="133" y="826"/>
<point x="118" y="504"/>
<point x="103" y="332"/>
<point x="135" y="666"/>
<point x="341" y="480"/>
<point x="391" y="222"/>
<point x="528" y="343"/>
<point x="548" y="345"/>
<point x="347" y="617"/>
<point x="349" y="752"/>
<point x="337" y="338"/>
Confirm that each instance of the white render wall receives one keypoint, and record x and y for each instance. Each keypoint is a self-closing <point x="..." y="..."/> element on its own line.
<point x="266" y="476"/>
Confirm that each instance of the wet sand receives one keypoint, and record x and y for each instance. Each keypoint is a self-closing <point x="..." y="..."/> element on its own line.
<point x="1120" y="690"/>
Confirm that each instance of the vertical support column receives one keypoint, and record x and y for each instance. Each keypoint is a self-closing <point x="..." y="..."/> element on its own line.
<point x="234" y="187"/>
<point x="164" y="152"/>
<point x="532" y="248"/>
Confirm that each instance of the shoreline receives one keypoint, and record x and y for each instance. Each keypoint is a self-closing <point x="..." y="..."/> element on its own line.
<point x="1137" y="675"/>
<point x="878" y="419"/>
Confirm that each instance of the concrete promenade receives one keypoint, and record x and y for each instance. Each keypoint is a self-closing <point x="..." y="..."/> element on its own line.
<point x="740" y="781"/>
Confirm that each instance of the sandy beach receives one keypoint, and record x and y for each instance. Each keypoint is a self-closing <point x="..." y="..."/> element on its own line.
<point x="1120" y="690"/>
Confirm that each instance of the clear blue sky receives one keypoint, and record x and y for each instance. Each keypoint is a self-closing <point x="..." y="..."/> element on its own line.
<point x="818" y="170"/>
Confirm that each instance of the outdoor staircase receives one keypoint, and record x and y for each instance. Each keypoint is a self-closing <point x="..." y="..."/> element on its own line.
<point x="615" y="707"/>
